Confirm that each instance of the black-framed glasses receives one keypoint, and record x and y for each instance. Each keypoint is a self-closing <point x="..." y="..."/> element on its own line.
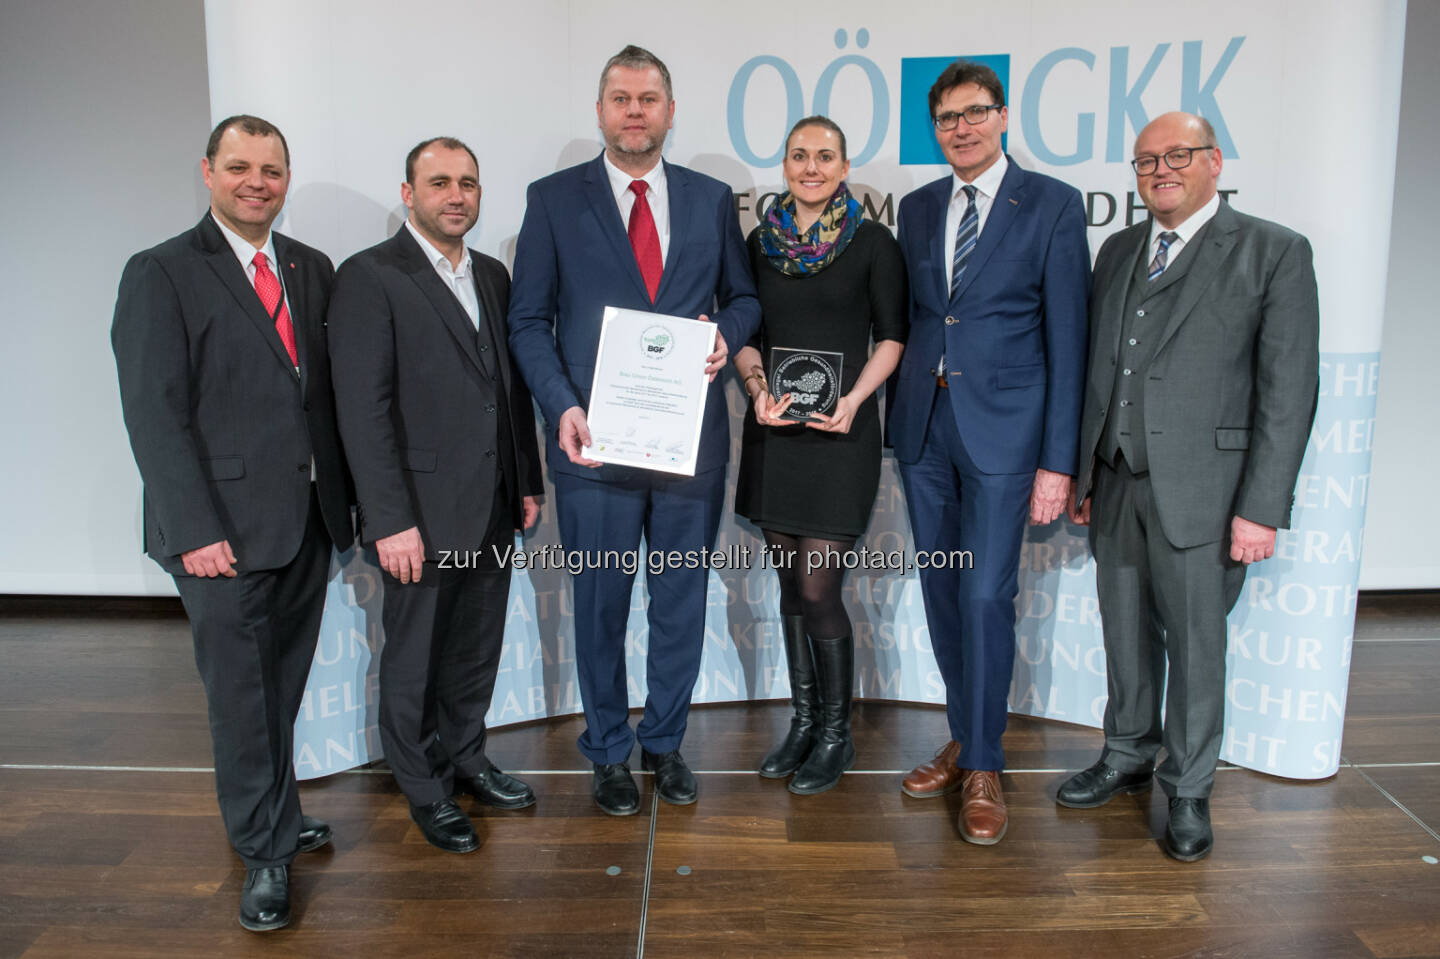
<point x="974" y="115"/>
<point x="1176" y="159"/>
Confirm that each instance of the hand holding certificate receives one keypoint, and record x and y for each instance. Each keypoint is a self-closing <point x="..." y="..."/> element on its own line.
<point x="647" y="399"/>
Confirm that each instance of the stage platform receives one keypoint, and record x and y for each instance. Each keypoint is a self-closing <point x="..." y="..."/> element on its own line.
<point x="111" y="844"/>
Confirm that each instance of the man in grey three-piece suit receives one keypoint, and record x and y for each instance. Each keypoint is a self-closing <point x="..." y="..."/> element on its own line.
<point x="1203" y="375"/>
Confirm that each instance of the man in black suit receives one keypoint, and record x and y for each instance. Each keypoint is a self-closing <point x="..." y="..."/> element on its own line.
<point x="441" y="441"/>
<point x="219" y="338"/>
<point x="1204" y="366"/>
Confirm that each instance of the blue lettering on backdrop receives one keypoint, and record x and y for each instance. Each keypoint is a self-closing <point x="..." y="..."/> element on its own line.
<point x="1126" y="113"/>
<point x="1030" y="111"/>
<point x="795" y="100"/>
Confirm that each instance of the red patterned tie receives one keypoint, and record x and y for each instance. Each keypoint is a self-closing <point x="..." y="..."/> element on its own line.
<point x="268" y="286"/>
<point x="644" y="239"/>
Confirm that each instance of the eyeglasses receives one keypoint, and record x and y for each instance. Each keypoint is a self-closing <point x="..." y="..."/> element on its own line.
<point x="974" y="115"/>
<point x="1177" y="159"/>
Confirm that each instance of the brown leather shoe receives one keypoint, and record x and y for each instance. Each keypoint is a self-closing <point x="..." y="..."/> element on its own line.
<point x="983" y="816"/>
<point x="935" y="777"/>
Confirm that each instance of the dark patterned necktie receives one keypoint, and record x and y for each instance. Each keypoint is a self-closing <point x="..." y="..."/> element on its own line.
<point x="965" y="237"/>
<point x="1162" y="255"/>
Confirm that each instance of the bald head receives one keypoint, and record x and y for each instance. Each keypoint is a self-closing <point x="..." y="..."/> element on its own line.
<point x="1185" y="140"/>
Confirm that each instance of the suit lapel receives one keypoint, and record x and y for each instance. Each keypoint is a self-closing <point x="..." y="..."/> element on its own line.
<point x="447" y="308"/>
<point x="1212" y="246"/>
<point x="227" y="267"/>
<point x="1116" y="284"/>
<point x="295" y="303"/>
<point x="602" y="201"/>
<point x="493" y="317"/>
<point x="934" y="227"/>
<point x="1002" y="213"/>
<point x="677" y="201"/>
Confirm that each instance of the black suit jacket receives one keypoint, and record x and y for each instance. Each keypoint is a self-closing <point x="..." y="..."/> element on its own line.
<point x="222" y="429"/>
<point x="412" y="390"/>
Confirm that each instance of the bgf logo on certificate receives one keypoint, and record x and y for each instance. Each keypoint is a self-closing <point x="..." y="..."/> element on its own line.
<point x="647" y="405"/>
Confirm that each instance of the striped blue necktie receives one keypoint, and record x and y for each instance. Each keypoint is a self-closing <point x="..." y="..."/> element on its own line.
<point x="965" y="238"/>
<point x="1162" y="255"/>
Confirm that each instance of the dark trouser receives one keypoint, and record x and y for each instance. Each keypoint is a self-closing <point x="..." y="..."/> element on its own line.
<point x="255" y="637"/>
<point x="443" y="637"/>
<point x="1157" y="603"/>
<point x="679" y="513"/>
<point x="970" y="612"/>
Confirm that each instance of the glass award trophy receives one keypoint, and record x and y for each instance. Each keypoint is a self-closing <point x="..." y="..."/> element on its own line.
<point x="811" y="377"/>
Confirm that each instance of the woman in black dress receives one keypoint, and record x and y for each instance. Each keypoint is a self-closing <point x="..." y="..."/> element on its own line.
<point x="828" y="281"/>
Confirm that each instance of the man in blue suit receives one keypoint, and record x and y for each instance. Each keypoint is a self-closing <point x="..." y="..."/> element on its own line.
<point x="984" y="415"/>
<point x="632" y="231"/>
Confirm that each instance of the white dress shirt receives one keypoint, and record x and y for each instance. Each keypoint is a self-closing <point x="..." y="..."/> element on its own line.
<point x="656" y="195"/>
<point x="1184" y="233"/>
<point x="245" y="252"/>
<point x="459" y="281"/>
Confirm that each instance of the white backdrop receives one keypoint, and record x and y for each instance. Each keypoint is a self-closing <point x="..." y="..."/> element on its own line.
<point x="1081" y="79"/>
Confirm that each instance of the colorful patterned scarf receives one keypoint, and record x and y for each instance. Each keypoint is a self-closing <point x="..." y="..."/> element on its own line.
<point x="796" y="255"/>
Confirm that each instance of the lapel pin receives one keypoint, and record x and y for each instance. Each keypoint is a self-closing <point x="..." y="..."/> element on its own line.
<point x="1013" y="202"/>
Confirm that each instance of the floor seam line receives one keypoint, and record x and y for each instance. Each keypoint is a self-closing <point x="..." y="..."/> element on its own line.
<point x="649" y="861"/>
<point x="1398" y="804"/>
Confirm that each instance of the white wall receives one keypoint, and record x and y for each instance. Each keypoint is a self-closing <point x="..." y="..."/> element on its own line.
<point x="1402" y="527"/>
<point x="104" y="111"/>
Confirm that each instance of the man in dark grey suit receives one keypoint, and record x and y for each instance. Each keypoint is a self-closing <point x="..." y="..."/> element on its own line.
<point x="440" y="436"/>
<point x="1204" y="366"/>
<point x="219" y="338"/>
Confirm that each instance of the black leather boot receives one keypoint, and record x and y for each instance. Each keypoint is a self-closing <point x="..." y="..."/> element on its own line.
<point x="788" y="756"/>
<point x="834" y="752"/>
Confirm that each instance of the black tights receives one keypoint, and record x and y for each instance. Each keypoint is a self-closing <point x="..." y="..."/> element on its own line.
<point x="811" y="571"/>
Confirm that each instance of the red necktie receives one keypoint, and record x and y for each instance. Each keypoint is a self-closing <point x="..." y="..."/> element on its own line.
<point x="644" y="239"/>
<point x="268" y="286"/>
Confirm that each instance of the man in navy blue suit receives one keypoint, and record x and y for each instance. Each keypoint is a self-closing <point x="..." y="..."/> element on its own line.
<point x="632" y="231"/>
<point x="984" y="415"/>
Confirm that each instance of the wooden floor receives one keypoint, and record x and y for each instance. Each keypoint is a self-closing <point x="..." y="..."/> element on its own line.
<point x="125" y="856"/>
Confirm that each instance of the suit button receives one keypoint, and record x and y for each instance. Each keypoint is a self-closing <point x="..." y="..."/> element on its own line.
<point x="950" y="321"/>
<point x="1124" y="402"/>
<point x="1132" y="342"/>
<point x="303" y="467"/>
<point x="484" y="347"/>
<point x="1139" y="312"/>
<point x="489" y="453"/>
<point x="1126" y="372"/>
<point x="932" y="372"/>
<point x="490" y="408"/>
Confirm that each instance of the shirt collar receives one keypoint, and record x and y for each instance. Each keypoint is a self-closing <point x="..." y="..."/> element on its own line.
<point x="987" y="183"/>
<point x="620" y="180"/>
<point x="245" y="250"/>
<point x="437" y="259"/>
<point x="1186" y="231"/>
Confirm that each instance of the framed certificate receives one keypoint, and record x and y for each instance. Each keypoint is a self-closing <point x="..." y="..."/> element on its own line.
<point x="811" y="377"/>
<point x="647" y="399"/>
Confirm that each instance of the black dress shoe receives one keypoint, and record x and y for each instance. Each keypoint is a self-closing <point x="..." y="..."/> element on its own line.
<point x="673" y="779"/>
<point x="314" y="833"/>
<point x="615" y="790"/>
<point x="445" y="826"/>
<point x="265" y="901"/>
<point x="1099" y="784"/>
<point x="494" y="788"/>
<point x="1187" y="835"/>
